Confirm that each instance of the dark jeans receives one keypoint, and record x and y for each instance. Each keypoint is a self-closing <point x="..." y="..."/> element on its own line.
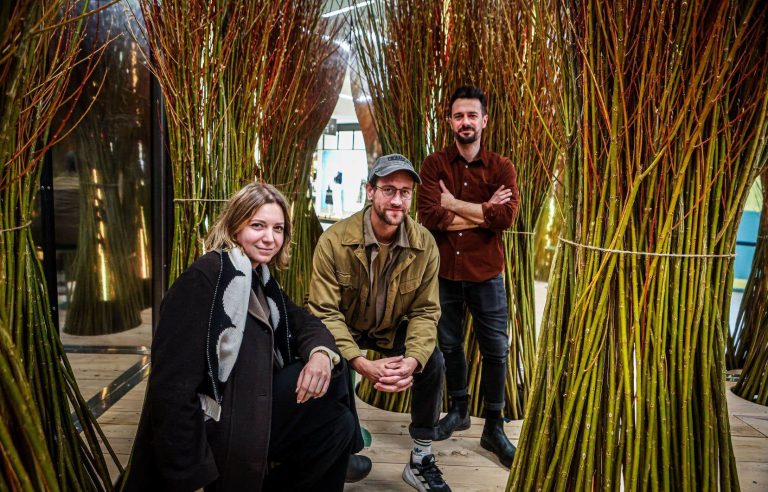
<point x="487" y="302"/>
<point x="427" y="389"/>
<point x="311" y="441"/>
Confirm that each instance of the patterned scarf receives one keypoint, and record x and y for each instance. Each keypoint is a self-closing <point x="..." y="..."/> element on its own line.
<point x="226" y="323"/>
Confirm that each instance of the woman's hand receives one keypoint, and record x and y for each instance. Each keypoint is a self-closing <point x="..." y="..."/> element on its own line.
<point x="314" y="378"/>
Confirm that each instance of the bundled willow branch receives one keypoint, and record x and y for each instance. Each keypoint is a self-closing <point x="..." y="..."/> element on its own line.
<point x="504" y="48"/>
<point x="399" y="50"/>
<point x="26" y="461"/>
<point x="107" y="295"/>
<point x="111" y="263"/>
<point x="288" y="142"/>
<point x="212" y="63"/>
<point x="411" y="64"/>
<point x="231" y="72"/>
<point x="40" y="447"/>
<point x="399" y="53"/>
<point x="750" y="348"/>
<point x="664" y="113"/>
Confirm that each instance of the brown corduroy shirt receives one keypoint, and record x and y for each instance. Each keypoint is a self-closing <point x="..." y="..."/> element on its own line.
<point x="477" y="254"/>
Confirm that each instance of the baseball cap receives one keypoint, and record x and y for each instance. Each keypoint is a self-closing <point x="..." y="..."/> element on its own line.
<point x="391" y="163"/>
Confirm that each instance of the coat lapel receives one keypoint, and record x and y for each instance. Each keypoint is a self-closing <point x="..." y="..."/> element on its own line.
<point x="255" y="309"/>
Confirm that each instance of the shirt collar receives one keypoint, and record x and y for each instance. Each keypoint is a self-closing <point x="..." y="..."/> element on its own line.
<point x="369" y="238"/>
<point x="454" y="155"/>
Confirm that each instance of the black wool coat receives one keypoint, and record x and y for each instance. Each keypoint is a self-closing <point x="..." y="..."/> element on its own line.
<point x="175" y="448"/>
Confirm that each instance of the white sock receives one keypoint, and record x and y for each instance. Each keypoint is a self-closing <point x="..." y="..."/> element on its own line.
<point x="421" y="448"/>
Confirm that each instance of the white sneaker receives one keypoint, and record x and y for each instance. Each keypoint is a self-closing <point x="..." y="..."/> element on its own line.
<point x="425" y="476"/>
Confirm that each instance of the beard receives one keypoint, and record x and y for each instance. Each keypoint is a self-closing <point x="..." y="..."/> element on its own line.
<point x="471" y="138"/>
<point x="382" y="215"/>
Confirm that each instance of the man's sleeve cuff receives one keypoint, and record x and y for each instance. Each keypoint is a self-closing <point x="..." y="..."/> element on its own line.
<point x="447" y="220"/>
<point x="420" y="357"/>
<point x="487" y="214"/>
<point x="350" y="353"/>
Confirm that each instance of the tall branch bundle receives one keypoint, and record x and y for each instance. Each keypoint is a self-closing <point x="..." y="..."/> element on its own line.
<point x="751" y="332"/>
<point x="412" y="63"/>
<point x="399" y="51"/>
<point x="288" y="142"/>
<point x="665" y="119"/>
<point x="107" y="297"/>
<point x="504" y="48"/>
<point x="230" y="72"/>
<point x="40" y="449"/>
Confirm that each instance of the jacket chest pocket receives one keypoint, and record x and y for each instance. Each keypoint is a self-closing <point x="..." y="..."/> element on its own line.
<point x="350" y="291"/>
<point x="406" y="292"/>
<point x="408" y="286"/>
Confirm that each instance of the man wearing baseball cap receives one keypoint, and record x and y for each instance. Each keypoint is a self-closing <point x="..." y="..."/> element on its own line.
<point x="374" y="285"/>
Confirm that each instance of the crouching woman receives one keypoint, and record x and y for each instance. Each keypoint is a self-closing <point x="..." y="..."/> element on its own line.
<point x="247" y="390"/>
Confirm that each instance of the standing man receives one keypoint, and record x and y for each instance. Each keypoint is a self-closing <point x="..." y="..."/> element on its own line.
<point x="374" y="285"/>
<point x="469" y="197"/>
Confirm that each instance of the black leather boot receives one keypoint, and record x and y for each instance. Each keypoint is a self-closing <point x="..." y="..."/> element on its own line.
<point x="457" y="419"/>
<point x="358" y="468"/>
<point x="495" y="440"/>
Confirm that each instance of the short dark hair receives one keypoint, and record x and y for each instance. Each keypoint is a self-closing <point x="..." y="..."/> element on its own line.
<point x="468" y="92"/>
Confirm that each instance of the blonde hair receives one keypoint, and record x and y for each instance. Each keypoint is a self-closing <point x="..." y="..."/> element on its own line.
<point x="239" y="210"/>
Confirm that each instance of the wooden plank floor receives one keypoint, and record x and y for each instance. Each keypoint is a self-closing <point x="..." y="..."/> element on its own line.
<point x="466" y="466"/>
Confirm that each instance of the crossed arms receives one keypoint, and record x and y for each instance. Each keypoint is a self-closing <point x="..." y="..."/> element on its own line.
<point x="440" y="210"/>
<point x="469" y="215"/>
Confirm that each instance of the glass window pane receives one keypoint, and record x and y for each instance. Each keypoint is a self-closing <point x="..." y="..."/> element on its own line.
<point x="345" y="140"/>
<point x="359" y="141"/>
<point x="329" y="142"/>
<point x="340" y="185"/>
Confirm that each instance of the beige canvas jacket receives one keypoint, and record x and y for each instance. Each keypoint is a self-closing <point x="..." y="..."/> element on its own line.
<point x="340" y="288"/>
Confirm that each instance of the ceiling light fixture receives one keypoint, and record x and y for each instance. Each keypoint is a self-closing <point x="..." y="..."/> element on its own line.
<point x="334" y="13"/>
